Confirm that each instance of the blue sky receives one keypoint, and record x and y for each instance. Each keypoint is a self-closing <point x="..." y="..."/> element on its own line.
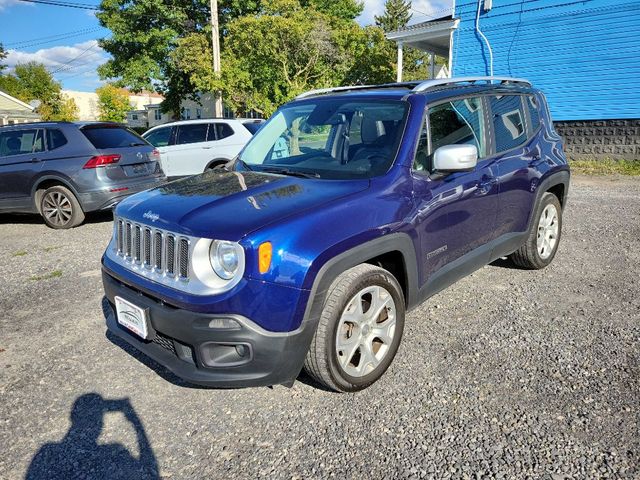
<point x="64" y="39"/>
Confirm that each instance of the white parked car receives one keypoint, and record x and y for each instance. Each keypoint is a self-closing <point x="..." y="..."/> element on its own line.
<point x="190" y="147"/>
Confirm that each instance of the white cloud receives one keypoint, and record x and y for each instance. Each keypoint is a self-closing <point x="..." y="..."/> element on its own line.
<point x="78" y="62"/>
<point x="7" y="3"/>
<point x="422" y="10"/>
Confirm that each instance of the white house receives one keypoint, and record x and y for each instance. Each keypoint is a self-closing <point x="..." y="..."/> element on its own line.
<point x="14" y="111"/>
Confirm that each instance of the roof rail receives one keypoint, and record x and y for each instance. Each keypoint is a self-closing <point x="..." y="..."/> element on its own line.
<point x="428" y="84"/>
<point x="322" y="91"/>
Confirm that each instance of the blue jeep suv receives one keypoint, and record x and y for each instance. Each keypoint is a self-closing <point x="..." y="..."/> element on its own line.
<point x="349" y="207"/>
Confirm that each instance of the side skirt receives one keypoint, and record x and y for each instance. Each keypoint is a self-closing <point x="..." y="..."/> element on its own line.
<point x="469" y="263"/>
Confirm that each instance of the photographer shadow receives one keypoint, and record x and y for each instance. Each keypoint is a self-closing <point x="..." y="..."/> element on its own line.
<point x="78" y="454"/>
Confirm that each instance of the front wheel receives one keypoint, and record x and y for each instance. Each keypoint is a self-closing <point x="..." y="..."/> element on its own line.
<point x="60" y="208"/>
<point x="359" y="330"/>
<point x="543" y="240"/>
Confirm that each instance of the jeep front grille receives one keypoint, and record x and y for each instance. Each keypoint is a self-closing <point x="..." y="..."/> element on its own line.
<point x="153" y="249"/>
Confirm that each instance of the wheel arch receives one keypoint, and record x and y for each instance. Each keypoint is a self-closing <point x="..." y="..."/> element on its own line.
<point x="556" y="183"/>
<point x="47" y="181"/>
<point x="216" y="161"/>
<point x="396" y="251"/>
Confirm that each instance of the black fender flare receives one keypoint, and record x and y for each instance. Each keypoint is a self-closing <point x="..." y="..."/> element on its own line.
<point x="400" y="242"/>
<point x="552" y="180"/>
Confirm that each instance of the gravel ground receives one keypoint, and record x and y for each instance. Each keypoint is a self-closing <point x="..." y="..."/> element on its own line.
<point x="507" y="374"/>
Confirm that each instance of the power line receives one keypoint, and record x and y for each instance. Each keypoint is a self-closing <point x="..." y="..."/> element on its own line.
<point x="62" y="66"/>
<point x="82" y="6"/>
<point x="51" y="38"/>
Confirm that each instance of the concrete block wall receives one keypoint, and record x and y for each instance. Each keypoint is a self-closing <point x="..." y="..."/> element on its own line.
<point x="601" y="139"/>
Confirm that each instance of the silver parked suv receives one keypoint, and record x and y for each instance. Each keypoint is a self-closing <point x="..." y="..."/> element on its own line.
<point x="63" y="170"/>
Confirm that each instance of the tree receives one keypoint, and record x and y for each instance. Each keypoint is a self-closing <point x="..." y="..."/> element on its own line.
<point x="113" y="103"/>
<point x="63" y="110"/>
<point x="145" y="32"/>
<point x="285" y="49"/>
<point x="342" y="9"/>
<point x="397" y="14"/>
<point x="32" y="81"/>
<point x="3" y="55"/>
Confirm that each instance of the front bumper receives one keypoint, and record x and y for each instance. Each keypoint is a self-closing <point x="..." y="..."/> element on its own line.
<point x="107" y="198"/>
<point x="186" y="344"/>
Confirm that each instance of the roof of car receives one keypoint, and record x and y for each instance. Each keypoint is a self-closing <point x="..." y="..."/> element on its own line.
<point x="196" y="120"/>
<point x="451" y="86"/>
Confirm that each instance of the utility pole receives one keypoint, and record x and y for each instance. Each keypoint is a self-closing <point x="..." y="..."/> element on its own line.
<point x="215" y="42"/>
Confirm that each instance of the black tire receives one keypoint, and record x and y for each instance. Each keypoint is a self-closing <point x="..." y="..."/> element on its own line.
<point x="60" y="208"/>
<point x="216" y="165"/>
<point x="322" y="362"/>
<point x="528" y="256"/>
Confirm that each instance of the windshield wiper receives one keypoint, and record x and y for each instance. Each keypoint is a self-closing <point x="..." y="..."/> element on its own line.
<point x="292" y="173"/>
<point x="244" y="164"/>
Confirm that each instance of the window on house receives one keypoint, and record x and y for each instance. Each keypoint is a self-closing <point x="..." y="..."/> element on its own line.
<point x="198" y="113"/>
<point x="157" y="114"/>
<point x="186" y="114"/>
<point x="134" y="116"/>
<point x="508" y="122"/>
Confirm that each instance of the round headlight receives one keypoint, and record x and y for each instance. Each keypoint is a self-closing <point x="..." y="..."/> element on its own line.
<point x="224" y="259"/>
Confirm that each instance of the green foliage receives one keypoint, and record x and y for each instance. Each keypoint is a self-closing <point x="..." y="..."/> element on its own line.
<point x="397" y="14"/>
<point x="113" y="103"/>
<point x="32" y="81"/>
<point x="342" y="9"/>
<point x="286" y="49"/>
<point x="606" y="166"/>
<point x="3" y="55"/>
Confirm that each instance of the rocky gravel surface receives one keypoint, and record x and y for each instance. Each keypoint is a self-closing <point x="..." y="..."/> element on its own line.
<point x="507" y="374"/>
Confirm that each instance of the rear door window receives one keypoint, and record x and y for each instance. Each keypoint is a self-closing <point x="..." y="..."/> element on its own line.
<point x="112" y="137"/>
<point x="508" y="122"/>
<point x="192" y="133"/>
<point x="21" y="142"/>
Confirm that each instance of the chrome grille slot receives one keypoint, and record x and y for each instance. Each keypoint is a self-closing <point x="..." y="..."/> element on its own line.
<point x="127" y="239"/>
<point x="171" y="255"/>
<point x="137" y="243"/>
<point x="119" y="236"/>
<point x="183" y="258"/>
<point x="154" y="253"/>
<point x="158" y="251"/>
<point x="147" y="247"/>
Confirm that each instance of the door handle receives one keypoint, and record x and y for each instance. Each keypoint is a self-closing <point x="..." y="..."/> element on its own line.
<point x="486" y="185"/>
<point x="35" y="160"/>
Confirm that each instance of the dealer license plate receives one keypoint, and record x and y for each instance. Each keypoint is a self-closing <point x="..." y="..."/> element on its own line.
<point x="132" y="317"/>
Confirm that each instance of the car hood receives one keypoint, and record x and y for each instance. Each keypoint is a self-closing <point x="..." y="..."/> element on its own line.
<point x="230" y="205"/>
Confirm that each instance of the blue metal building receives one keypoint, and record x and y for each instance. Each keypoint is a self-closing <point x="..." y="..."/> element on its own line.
<point x="585" y="56"/>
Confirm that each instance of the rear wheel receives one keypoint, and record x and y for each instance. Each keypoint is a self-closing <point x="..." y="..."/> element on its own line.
<point x="359" y="330"/>
<point x="544" y="237"/>
<point x="60" y="208"/>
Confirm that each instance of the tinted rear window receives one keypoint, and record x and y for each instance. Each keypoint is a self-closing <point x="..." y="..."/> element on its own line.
<point x="112" y="137"/>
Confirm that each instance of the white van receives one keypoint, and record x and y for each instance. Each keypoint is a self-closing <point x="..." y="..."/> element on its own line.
<point x="190" y="147"/>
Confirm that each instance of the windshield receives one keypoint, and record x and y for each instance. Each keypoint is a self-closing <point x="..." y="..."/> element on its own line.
<point x="337" y="138"/>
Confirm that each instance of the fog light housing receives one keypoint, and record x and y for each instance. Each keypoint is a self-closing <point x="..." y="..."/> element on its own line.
<point x="224" y="324"/>
<point x="229" y="354"/>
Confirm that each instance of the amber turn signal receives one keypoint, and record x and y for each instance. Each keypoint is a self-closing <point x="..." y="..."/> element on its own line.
<point x="265" y="251"/>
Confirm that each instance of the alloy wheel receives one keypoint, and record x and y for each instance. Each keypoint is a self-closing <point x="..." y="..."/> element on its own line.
<point x="365" y="331"/>
<point x="547" y="231"/>
<point x="57" y="208"/>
